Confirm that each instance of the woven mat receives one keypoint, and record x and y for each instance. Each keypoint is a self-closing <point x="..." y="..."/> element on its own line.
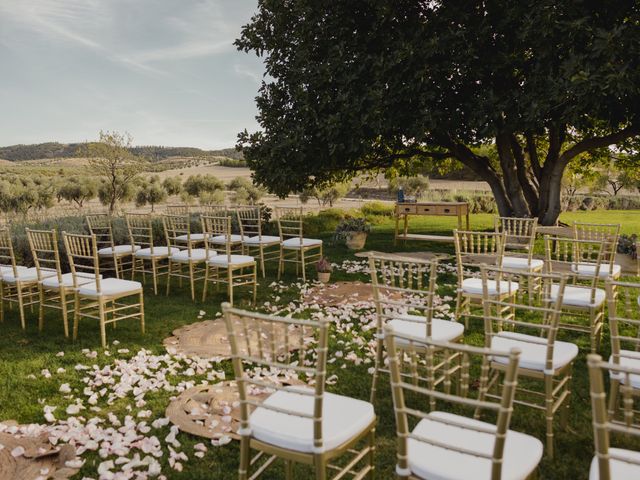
<point x="339" y="293"/>
<point x="210" y="411"/>
<point x="208" y="339"/>
<point x="39" y="457"/>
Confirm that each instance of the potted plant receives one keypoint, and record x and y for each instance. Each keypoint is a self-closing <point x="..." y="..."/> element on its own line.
<point x="324" y="269"/>
<point x="353" y="231"/>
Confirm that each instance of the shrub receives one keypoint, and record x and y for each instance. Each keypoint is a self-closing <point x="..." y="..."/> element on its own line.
<point x="324" y="221"/>
<point x="377" y="209"/>
<point x="232" y="162"/>
<point x="196" y="185"/>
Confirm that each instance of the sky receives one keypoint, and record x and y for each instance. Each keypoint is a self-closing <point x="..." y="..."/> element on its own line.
<point x="163" y="70"/>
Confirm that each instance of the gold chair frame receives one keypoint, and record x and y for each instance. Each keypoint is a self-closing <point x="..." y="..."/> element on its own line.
<point x="417" y="386"/>
<point x="469" y="244"/>
<point x="22" y="293"/>
<point x="232" y="274"/>
<point x="274" y="343"/>
<point x="176" y="228"/>
<point x="101" y="225"/>
<point x="405" y="284"/>
<point x="250" y="221"/>
<point x="556" y="381"/>
<point x="140" y="227"/>
<point x="562" y="255"/>
<point x="107" y="309"/>
<point x="608" y="234"/>
<point x="291" y="225"/>
<point x="603" y="424"/>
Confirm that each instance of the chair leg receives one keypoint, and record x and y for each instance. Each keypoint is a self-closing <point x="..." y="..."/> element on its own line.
<point x="281" y="262"/>
<point x="41" y="313"/>
<point x="142" y="312"/>
<point x="193" y="282"/>
<point x="613" y="399"/>
<point x="304" y="267"/>
<point x="372" y="454"/>
<point x="320" y="467"/>
<point x="21" y="306"/>
<point x="65" y="312"/>
<point x="206" y="281"/>
<point x="169" y="272"/>
<point x="230" y="284"/>
<point x="155" y="277"/>
<point x="1" y="302"/>
<point x="592" y="323"/>
<point x="376" y="368"/>
<point x="262" y="261"/>
<point x="243" y="470"/>
<point x="288" y="470"/>
<point x="548" y="396"/>
<point x="103" y="330"/>
<point x="76" y="315"/>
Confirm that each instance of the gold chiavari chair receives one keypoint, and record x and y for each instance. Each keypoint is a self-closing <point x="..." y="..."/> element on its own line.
<point x="624" y="328"/>
<point x="472" y="250"/>
<point x="298" y="424"/>
<point x="56" y="289"/>
<point x="612" y="463"/>
<point x="101" y="299"/>
<point x="101" y="226"/>
<point x="226" y="267"/>
<point x="177" y="229"/>
<point x="445" y="445"/>
<point x="608" y="234"/>
<point x="18" y="284"/>
<point x="532" y="328"/>
<point x="220" y="241"/>
<point x="404" y="291"/>
<point x="521" y="237"/>
<point x="582" y="261"/>
<point x="265" y="247"/>
<point x="177" y="209"/>
<point x="294" y="247"/>
<point x="140" y="226"/>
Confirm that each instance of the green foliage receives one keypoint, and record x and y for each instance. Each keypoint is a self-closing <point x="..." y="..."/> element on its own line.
<point x="77" y="190"/>
<point x="196" y="185"/>
<point x="325" y="196"/>
<point x="173" y="185"/>
<point x="111" y="158"/>
<point x="354" y="86"/>
<point x="246" y="191"/>
<point x="21" y="194"/>
<point x="323" y="222"/>
<point x="351" y="225"/>
<point x="412" y="186"/>
<point x="233" y="162"/>
<point x="377" y="208"/>
<point x="150" y="192"/>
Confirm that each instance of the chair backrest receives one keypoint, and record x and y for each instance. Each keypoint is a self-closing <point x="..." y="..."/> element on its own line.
<point x="250" y="221"/>
<point x="82" y="251"/>
<point x="290" y="222"/>
<point x="177" y="209"/>
<point x="140" y="227"/>
<point x="521" y="232"/>
<point x="217" y="226"/>
<point x="605" y="425"/>
<point x="214" y="210"/>
<point x="44" y="250"/>
<point x="580" y="259"/>
<point x="100" y="225"/>
<point x="7" y="254"/>
<point x="522" y="313"/>
<point x="416" y="378"/>
<point x="607" y="233"/>
<point x="403" y="286"/>
<point x="177" y="230"/>
<point x="623" y="300"/>
<point x="266" y="341"/>
<point x="471" y="247"/>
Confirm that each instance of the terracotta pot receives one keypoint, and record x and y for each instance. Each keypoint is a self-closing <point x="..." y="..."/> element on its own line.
<point x="356" y="240"/>
<point x="324" y="276"/>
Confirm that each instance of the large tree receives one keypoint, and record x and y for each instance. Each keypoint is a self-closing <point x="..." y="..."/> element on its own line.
<point x="353" y="85"/>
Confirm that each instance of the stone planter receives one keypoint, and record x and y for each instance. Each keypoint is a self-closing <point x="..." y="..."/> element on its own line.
<point x="356" y="240"/>
<point x="324" y="276"/>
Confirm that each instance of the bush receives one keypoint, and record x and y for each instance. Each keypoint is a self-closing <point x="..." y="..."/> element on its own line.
<point x="231" y="162"/>
<point x="196" y="185"/>
<point x="377" y="209"/>
<point x="324" y="221"/>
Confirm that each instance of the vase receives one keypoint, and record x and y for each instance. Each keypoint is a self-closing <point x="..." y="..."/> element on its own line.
<point x="356" y="240"/>
<point x="324" y="276"/>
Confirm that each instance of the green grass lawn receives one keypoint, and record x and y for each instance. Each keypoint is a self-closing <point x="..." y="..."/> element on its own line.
<point x="22" y="397"/>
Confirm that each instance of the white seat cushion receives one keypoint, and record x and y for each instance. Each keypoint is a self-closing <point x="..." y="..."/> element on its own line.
<point x="265" y="240"/>
<point x="589" y="270"/>
<point x="118" y="250"/>
<point x="306" y="242"/>
<point x="197" y="255"/>
<point x="533" y="354"/>
<point x="67" y="280"/>
<point x="577" y="296"/>
<point x="110" y="287"/>
<point x="194" y="237"/>
<point x="27" y="275"/>
<point x="522" y="263"/>
<point x="343" y="419"/>
<point x="222" y="239"/>
<point x="631" y="359"/>
<point x="619" y="470"/>
<point x="222" y="260"/>
<point x="522" y="453"/>
<point x="414" y="325"/>
<point x="157" y="252"/>
<point x="474" y="286"/>
<point x="8" y="270"/>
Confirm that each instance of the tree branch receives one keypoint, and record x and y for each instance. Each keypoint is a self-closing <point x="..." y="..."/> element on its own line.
<point x="598" y="142"/>
<point x="532" y="151"/>
<point x="528" y="189"/>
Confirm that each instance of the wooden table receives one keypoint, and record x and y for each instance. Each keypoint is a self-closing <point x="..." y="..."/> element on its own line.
<point x="447" y="209"/>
